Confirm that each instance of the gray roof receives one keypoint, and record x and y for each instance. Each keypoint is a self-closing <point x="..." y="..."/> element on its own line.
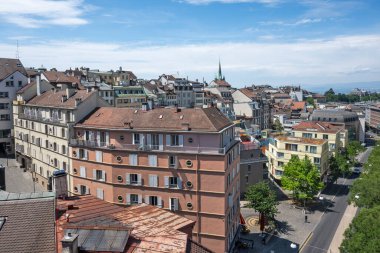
<point x="339" y="115"/>
<point x="9" y="66"/>
<point x="29" y="225"/>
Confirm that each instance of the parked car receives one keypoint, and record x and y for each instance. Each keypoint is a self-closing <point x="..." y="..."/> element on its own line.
<point x="357" y="170"/>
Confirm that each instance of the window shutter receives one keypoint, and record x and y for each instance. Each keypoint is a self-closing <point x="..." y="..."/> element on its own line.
<point x="142" y="139"/>
<point x="139" y="198"/>
<point x="148" y="140"/>
<point x="103" y="175"/>
<point x="161" y="142"/>
<point x="87" y="190"/>
<point x="166" y="178"/>
<point x="152" y="160"/>
<point x="85" y="153"/>
<point x="99" y="156"/>
<point x="159" y="201"/>
<point x="175" y="204"/>
<point x="180" y="138"/>
<point x="238" y="168"/>
<point x="147" y="200"/>
<point x="179" y="183"/>
<point x="139" y="179"/>
<point x="156" y="180"/>
<point x="128" y="199"/>
<point x="127" y="178"/>
<point x="170" y="203"/>
<point x="100" y="193"/>
<point x="82" y="171"/>
<point x="107" y="138"/>
<point x="98" y="138"/>
<point x="168" y="140"/>
<point x="151" y="183"/>
<point x="94" y="174"/>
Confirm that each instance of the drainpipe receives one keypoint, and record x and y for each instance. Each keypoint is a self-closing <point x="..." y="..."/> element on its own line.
<point x="198" y="199"/>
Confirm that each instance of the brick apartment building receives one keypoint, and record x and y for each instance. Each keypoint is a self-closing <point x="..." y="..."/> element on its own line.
<point x="184" y="160"/>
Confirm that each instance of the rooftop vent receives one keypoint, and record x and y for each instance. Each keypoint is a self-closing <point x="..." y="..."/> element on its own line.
<point x="160" y="117"/>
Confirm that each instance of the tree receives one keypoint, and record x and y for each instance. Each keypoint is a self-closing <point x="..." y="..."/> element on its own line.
<point x="310" y="101"/>
<point x="353" y="148"/>
<point x="302" y="177"/>
<point x="263" y="200"/>
<point x="343" y="163"/>
<point x="330" y="92"/>
<point x="363" y="233"/>
<point x="334" y="168"/>
<point x="278" y="126"/>
<point x="365" y="192"/>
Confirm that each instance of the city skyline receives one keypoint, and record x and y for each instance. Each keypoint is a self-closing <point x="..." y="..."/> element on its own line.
<point x="279" y="42"/>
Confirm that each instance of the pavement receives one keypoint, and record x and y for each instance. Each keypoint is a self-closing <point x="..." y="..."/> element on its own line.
<point x="16" y="180"/>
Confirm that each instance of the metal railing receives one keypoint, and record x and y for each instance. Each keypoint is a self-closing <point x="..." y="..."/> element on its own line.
<point x="254" y="160"/>
<point x="52" y="120"/>
<point x="142" y="147"/>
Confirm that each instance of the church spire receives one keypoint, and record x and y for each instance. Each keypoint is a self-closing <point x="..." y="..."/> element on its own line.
<point x="220" y="75"/>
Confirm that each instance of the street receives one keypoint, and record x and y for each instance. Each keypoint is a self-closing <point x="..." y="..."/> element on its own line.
<point x="335" y="201"/>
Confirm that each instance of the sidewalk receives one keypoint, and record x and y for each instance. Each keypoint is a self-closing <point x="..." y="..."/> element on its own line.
<point x="348" y="215"/>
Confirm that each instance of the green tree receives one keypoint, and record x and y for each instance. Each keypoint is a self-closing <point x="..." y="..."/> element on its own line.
<point x="302" y="177"/>
<point x="363" y="233"/>
<point x="365" y="192"/>
<point x="330" y="92"/>
<point x="353" y="148"/>
<point x="343" y="163"/>
<point x="310" y="101"/>
<point x="278" y="126"/>
<point x="334" y="168"/>
<point x="263" y="200"/>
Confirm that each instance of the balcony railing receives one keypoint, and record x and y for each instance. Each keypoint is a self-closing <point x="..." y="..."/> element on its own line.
<point x="141" y="147"/>
<point x="52" y="120"/>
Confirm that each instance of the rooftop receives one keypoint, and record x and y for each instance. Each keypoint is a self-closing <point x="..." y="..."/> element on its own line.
<point x="301" y="140"/>
<point x="53" y="98"/>
<point x="317" y="126"/>
<point x="60" y="77"/>
<point x="298" y="105"/>
<point x="165" y="119"/>
<point x="9" y="66"/>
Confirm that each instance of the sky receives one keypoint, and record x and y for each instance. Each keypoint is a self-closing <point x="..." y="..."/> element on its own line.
<point x="278" y="42"/>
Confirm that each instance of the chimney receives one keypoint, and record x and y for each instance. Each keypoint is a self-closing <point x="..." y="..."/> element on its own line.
<point x="145" y="106"/>
<point x="70" y="243"/>
<point x="77" y="101"/>
<point x="185" y="126"/>
<point x="38" y="82"/>
<point x="64" y="98"/>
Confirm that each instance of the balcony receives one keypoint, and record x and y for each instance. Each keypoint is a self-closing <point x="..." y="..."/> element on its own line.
<point x="263" y="159"/>
<point x="39" y="118"/>
<point x="141" y="147"/>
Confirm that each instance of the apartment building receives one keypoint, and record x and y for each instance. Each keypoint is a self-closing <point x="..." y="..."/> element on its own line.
<point x="282" y="148"/>
<point x="373" y="117"/>
<point x="184" y="160"/>
<point x="130" y="96"/>
<point x="336" y="135"/>
<point x="13" y="77"/>
<point x="43" y="126"/>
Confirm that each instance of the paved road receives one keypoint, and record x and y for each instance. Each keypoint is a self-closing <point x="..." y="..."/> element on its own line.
<point x="336" y="196"/>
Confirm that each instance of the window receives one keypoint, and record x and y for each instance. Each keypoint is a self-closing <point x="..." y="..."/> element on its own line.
<point x="56" y="163"/>
<point x="152" y="160"/>
<point x="99" y="156"/>
<point x="9" y="84"/>
<point x="325" y="136"/>
<point x="5" y="117"/>
<point x="134" y="199"/>
<point x="63" y="148"/>
<point x="291" y="147"/>
<point x="4" y="94"/>
<point x="99" y="175"/>
<point x="4" y="105"/>
<point x="249" y="169"/>
<point x="136" y="138"/>
<point x="307" y="135"/>
<point x="84" y="190"/>
<point x="19" y="83"/>
<point x="280" y="164"/>
<point x="82" y="171"/>
<point x="63" y="133"/>
<point x="173" y="182"/>
<point x="153" y="200"/>
<point x="134" y="179"/>
<point x="313" y="149"/>
<point x="280" y="155"/>
<point x="100" y="193"/>
<point x="174" y="140"/>
<point x="155" y="141"/>
<point x="153" y="180"/>
<point x="172" y="161"/>
<point x="173" y="204"/>
<point x="317" y="160"/>
<point x="133" y="159"/>
<point x="279" y="172"/>
<point x="83" y="154"/>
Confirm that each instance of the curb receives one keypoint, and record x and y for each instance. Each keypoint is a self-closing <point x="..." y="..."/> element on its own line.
<point x="306" y="240"/>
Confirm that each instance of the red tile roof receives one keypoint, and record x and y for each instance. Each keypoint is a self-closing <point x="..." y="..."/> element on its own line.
<point x="298" y="105"/>
<point x="222" y="83"/>
<point x="54" y="98"/>
<point x="60" y="77"/>
<point x="165" y="119"/>
<point x="9" y="66"/>
<point x="317" y="126"/>
<point x="248" y="92"/>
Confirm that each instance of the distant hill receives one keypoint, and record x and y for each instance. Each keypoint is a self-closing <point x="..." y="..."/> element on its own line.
<point x="344" y="87"/>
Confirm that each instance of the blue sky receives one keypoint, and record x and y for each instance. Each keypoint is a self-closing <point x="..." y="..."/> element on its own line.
<point x="258" y="41"/>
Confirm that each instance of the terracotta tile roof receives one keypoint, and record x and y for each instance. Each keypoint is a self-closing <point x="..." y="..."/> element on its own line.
<point x="281" y="95"/>
<point x="298" y="105"/>
<point x="9" y="66"/>
<point x="317" y="126"/>
<point x="222" y="83"/>
<point x="151" y="227"/>
<point x="301" y="140"/>
<point x="60" y="77"/>
<point x="54" y="98"/>
<point x="165" y="119"/>
<point x="29" y="226"/>
<point x="248" y="92"/>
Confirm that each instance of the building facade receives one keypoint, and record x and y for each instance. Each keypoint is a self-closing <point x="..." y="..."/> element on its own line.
<point x="373" y="117"/>
<point x="282" y="148"/>
<point x="13" y="77"/>
<point x="184" y="160"/>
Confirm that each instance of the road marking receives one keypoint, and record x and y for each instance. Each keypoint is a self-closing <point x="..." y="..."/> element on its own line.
<point x="305" y="242"/>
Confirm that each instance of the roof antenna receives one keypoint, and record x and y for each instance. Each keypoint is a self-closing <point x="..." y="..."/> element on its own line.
<point x="17" y="52"/>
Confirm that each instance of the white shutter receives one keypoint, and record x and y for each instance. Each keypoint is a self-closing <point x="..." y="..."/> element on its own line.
<point x="98" y="138"/>
<point x="107" y="138"/>
<point x="100" y="193"/>
<point x="166" y="180"/>
<point x="168" y="140"/>
<point x="179" y="183"/>
<point x="94" y="174"/>
<point x="238" y="168"/>
<point x="133" y="159"/>
<point x="152" y="160"/>
<point x="139" y="198"/>
<point x="175" y="204"/>
<point x="147" y="200"/>
<point x="141" y="139"/>
<point x="161" y="142"/>
<point x="148" y="140"/>
<point x="156" y="181"/>
<point x="87" y="190"/>
<point x="153" y="182"/>
<point x="82" y="171"/>
<point x="159" y="201"/>
<point x="103" y="175"/>
<point x="128" y="199"/>
<point x="138" y="179"/>
<point x="99" y="156"/>
<point x="180" y="138"/>
<point x="170" y="204"/>
<point x="128" y="178"/>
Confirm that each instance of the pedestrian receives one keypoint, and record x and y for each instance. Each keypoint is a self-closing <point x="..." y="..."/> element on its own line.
<point x="305" y="218"/>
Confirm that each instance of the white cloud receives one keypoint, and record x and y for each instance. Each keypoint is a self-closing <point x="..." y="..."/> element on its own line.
<point x="341" y="59"/>
<point x="200" y="2"/>
<point x="37" y="13"/>
<point x="303" y="21"/>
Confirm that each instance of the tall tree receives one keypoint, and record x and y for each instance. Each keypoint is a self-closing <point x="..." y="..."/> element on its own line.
<point x="334" y="168"/>
<point x="363" y="233"/>
<point x="263" y="200"/>
<point x="310" y="101"/>
<point x="278" y="126"/>
<point x="353" y="148"/>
